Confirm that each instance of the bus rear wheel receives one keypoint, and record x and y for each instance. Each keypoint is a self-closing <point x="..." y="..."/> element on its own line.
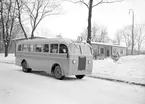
<point x="80" y="76"/>
<point x="25" y="67"/>
<point x="58" y="73"/>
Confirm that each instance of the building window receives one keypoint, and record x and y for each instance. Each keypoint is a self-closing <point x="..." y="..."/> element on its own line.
<point x="114" y="50"/>
<point x="45" y="47"/>
<point x="102" y="50"/>
<point x="121" y="51"/>
<point x="54" y="48"/>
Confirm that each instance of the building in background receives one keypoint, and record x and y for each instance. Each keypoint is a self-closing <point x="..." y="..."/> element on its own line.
<point x="103" y="50"/>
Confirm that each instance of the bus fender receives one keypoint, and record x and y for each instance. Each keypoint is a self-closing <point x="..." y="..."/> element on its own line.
<point x="53" y="67"/>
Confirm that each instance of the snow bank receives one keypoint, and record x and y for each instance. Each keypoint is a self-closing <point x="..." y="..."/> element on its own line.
<point x="131" y="58"/>
<point x="10" y="59"/>
<point x="127" y="68"/>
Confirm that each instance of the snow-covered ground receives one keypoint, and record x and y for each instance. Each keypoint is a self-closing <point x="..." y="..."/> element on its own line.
<point x="127" y="68"/>
<point x="17" y="87"/>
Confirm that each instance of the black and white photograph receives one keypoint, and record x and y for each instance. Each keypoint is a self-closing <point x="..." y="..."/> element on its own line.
<point x="72" y="52"/>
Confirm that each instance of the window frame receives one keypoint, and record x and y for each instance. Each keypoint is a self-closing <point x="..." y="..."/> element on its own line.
<point x="121" y="51"/>
<point x="48" y="48"/>
<point x="19" y="48"/>
<point x="26" y="48"/>
<point x="35" y="50"/>
<point x="101" y="50"/>
<point x="65" y="48"/>
<point x="57" y="50"/>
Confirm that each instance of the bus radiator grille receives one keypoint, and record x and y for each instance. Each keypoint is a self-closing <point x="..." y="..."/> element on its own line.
<point x="82" y="63"/>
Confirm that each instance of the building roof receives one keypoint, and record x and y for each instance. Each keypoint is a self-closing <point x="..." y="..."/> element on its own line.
<point x="108" y="44"/>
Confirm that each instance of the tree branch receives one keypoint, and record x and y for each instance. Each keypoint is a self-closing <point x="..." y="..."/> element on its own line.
<point x="97" y="3"/>
<point x="107" y="2"/>
<point x="19" y="17"/>
<point x="82" y="1"/>
<point x="79" y="1"/>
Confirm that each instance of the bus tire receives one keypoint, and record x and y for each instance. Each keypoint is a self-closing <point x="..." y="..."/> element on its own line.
<point x="58" y="73"/>
<point x="25" y="67"/>
<point x="80" y="76"/>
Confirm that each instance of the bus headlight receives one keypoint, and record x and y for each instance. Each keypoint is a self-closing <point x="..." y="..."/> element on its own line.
<point x="74" y="61"/>
<point x="89" y="62"/>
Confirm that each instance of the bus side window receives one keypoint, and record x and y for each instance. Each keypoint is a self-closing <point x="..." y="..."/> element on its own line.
<point x="31" y="48"/>
<point x="45" y="47"/>
<point x="54" y="48"/>
<point x="63" y="49"/>
<point x="19" y="47"/>
<point x="25" y="47"/>
<point x="38" y="48"/>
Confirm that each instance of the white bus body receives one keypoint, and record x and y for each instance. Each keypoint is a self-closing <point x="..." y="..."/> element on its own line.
<point x="60" y="57"/>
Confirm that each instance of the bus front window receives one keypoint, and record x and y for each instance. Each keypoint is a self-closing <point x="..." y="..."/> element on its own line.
<point x="86" y="50"/>
<point x="75" y="49"/>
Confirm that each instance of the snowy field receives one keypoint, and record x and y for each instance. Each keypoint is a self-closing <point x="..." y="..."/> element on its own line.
<point x="17" y="87"/>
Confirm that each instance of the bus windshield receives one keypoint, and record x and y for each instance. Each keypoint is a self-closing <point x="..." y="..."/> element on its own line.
<point x="80" y="49"/>
<point x="75" y="49"/>
<point x="85" y="49"/>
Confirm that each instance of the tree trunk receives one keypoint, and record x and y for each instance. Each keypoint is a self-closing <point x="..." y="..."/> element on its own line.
<point x="139" y="48"/>
<point x="32" y="33"/>
<point x="89" y="22"/>
<point x="19" y="18"/>
<point x="6" y="50"/>
<point x="1" y="48"/>
<point x="22" y="28"/>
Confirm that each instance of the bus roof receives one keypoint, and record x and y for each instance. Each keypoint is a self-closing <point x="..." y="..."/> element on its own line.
<point x="50" y="40"/>
<point x="107" y="44"/>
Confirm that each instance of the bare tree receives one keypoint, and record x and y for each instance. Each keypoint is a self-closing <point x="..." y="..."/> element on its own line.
<point x="38" y="10"/>
<point x="95" y="32"/>
<point x="118" y="37"/>
<point x="84" y="35"/>
<point x="20" y="7"/>
<point x="90" y="4"/>
<point x="104" y="37"/>
<point x="99" y="34"/>
<point x="17" y="31"/>
<point x="8" y="17"/>
<point x="140" y="30"/>
<point x="125" y="36"/>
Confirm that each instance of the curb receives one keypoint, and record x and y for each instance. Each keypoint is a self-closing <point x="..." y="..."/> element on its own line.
<point x="118" y="80"/>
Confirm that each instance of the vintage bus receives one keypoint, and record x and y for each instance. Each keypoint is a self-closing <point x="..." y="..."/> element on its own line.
<point x="57" y="56"/>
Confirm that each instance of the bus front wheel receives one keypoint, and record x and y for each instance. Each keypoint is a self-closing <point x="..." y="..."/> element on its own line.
<point x="25" y="67"/>
<point x="58" y="73"/>
<point x="80" y="76"/>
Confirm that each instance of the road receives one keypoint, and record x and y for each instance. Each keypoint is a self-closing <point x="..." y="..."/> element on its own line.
<point x="17" y="87"/>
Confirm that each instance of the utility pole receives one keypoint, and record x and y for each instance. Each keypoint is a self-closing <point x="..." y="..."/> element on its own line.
<point x="132" y="46"/>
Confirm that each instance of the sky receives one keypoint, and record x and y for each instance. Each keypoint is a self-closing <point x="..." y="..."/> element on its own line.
<point x="73" y="18"/>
